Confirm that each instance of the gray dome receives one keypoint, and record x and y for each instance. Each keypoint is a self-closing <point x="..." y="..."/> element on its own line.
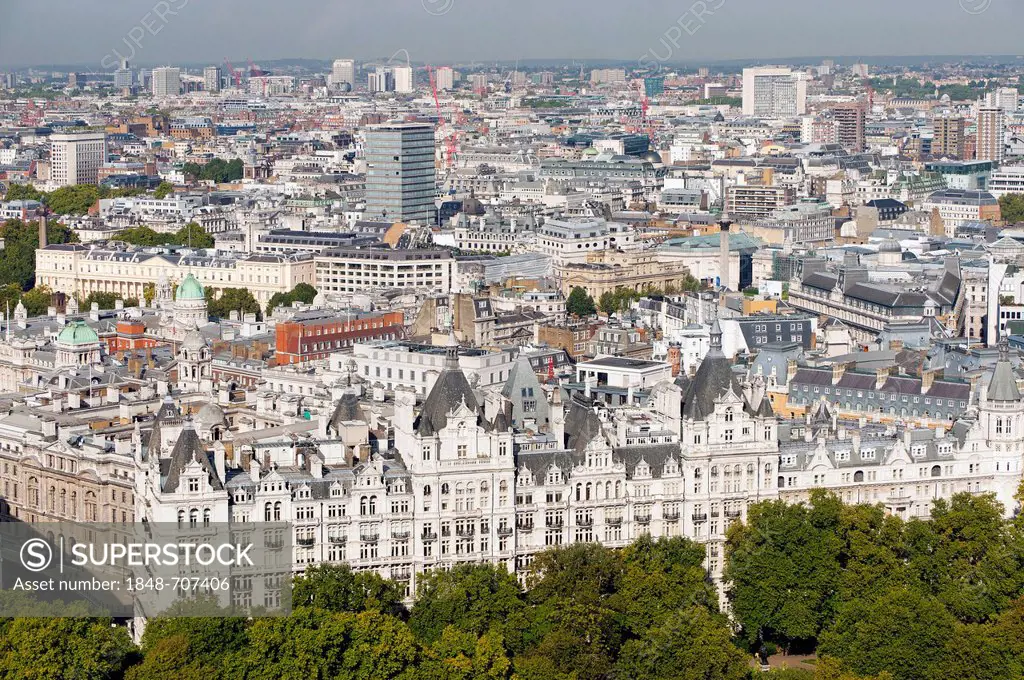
<point x="651" y="157"/>
<point x="210" y="415"/>
<point x="890" y="246"/>
<point x="194" y="340"/>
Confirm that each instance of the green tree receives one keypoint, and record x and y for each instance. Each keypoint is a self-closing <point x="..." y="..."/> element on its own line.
<point x="163" y="190"/>
<point x="691" y="644"/>
<point x="902" y="631"/>
<point x="73" y="200"/>
<point x="23" y="192"/>
<point x="194" y="236"/>
<point x="149" y="293"/>
<point x="231" y="300"/>
<point x="37" y="300"/>
<point x="21" y="239"/>
<point x="783" y="567"/>
<point x="337" y="588"/>
<point x="63" y="649"/>
<point x="458" y="655"/>
<point x="302" y="292"/>
<point x="608" y="302"/>
<point x="1011" y="208"/>
<point x="580" y="304"/>
<point x="103" y="300"/>
<point x="145" y="236"/>
<point x="472" y="598"/>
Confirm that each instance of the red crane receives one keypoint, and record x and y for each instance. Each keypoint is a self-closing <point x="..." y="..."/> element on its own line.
<point x="237" y="75"/>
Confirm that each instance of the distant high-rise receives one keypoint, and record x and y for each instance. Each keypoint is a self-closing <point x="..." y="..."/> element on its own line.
<point x="404" y="81"/>
<point x="479" y="82"/>
<point x="444" y="77"/>
<point x="166" y="81"/>
<point x="774" y="92"/>
<point x="948" y="139"/>
<point x="76" y="79"/>
<point x="991" y="134"/>
<point x="381" y="80"/>
<point x="703" y="72"/>
<point x="400" y="172"/>
<point x="123" y="76"/>
<point x="850" y="119"/>
<point x="343" y="71"/>
<point x="212" y="77"/>
<point x="600" y="76"/>
<point x="76" y="158"/>
<point x="1005" y="98"/>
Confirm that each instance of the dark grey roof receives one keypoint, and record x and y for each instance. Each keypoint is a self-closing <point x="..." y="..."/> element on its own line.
<point x="186" y="449"/>
<point x="448" y="392"/>
<point x="1003" y="386"/>
<point x="347" y="409"/>
<point x="582" y="425"/>
<point x="655" y="455"/>
<point x="714" y="377"/>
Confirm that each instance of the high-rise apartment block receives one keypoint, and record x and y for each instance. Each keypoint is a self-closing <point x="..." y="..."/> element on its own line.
<point x="212" y="76"/>
<point x="381" y="80"/>
<point x="1005" y="98"/>
<point x="774" y="92"/>
<point x="991" y="135"/>
<point x="601" y="76"/>
<point x="400" y="172"/>
<point x="948" y="139"/>
<point x="444" y="77"/>
<point x="166" y="81"/>
<point x="849" y="120"/>
<point x="343" y="71"/>
<point x="123" y="76"/>
<point x="404" y="81"/>
<point x="76" y="158"/>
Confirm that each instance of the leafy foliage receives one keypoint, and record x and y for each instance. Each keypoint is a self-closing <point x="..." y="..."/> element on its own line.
<point x="1011" y="207"/>
<point x="18" y="257"/>
<point x="163" y="190"/>
<point x="217" y="170"/>
<point x="579" y="303"/>
<point x="231" y="300"/>
<point x="191" y="235"/>
<point x="302" y="292"/>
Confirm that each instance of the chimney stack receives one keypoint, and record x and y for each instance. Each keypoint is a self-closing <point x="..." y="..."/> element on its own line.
<point x="42" y="231"/>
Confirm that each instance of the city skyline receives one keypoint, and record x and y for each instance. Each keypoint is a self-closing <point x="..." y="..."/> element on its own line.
<point x="450" y="30"/>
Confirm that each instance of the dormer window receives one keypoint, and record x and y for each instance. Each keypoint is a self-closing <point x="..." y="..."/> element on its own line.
<point x="193" y="484"/>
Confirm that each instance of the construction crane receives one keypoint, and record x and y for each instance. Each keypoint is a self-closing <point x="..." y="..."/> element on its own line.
<point x="237" y="75"/>
<point x="254" y="70"/>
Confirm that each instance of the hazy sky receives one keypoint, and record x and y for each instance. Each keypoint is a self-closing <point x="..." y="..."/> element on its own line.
<point x="95" y="31"/>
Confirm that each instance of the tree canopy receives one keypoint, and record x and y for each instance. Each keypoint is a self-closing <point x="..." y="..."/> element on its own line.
<point x="1011" y="207"/>
<point x="579" y="303"/>
<point x="217" y="170"/>
<point x="18" y="257"/>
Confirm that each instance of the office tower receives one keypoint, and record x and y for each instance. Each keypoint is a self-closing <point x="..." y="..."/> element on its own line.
<point x="827" y="67"/>
<point x="774" y="92"/>
<point x="403" y="79"/>
<point x="123" y="76"/>
<point x="991" y="137"/>
<point x="703" y="72"/>
<point x="212" y="76"/>
<point x="400" y="172"/>
<point x="444" y="77"/>
<point x="948" y="139"/>
<point x="849" y="120"/>
<point x="166" y="81"/>
<point x="381" y="80"/>
<point x="343" y="71"/>
<point x="1004" y="98"/>
<point x="654" y="85"/>
<point x="76" y="158"/>
<point x="861" y="70"/>
<point x="76" y="80"/>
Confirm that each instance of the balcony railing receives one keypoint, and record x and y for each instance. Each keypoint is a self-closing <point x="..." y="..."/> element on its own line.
<point x="305" y="542"/>
<point x="429" y="536"/>
<point x="524" y="528"/>
<point x="554" y="523"/>
<point x="643" y="519"/>
<point x="403" y="574"/>
<point x="465" y="533"/>
<point x="337" y="540"/>
<point x="504" y="531"/>
<point x="369" y="538"/>
<point x="699" y="517"/>
<point x="274" y="543"/>
<point x="671" y="516"/>
<point x="614" y="521"/>
<point x="585" y="522"/>
<point x="733" y="514"/>
<point x="400" y="535"/>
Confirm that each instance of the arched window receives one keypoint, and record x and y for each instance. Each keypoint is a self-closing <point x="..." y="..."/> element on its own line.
<point x="373" y="505"/>
<point x="858" y="476"/>
<point x="277" y="511"/>
<point x="782" y="482"/>
<point x="362" y="505"/>
<point x="445" y="489"/>
<point x="426" y="490"/>
<point x="74" y="504"/>
<point x="51" y="499"/>
<point x="579" y="492"/>
<point x="193" y="517"/>
<point x="267" y="510"/>
<point x="618" y="489"/>
<point x="484" y="487"/>
<point x="503" y="486"/>
<point x="589" y="489"/>
<point x="607" y="489"/>
<point x="750" y="469"/>
<point x="714" y="471"/>
<point x="63" y="501"/>
<point x="181" y="518"/>
<point x="206" y="517"/>
<point x="936" y="471"/>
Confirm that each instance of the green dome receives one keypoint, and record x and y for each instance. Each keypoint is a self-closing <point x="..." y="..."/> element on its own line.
<point x="190" y="289"/>
<point x="77" y="333"/>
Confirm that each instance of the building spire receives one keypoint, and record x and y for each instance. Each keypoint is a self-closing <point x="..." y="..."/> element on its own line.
<point x="451" y="351"/>
<point x="716" y="335"/>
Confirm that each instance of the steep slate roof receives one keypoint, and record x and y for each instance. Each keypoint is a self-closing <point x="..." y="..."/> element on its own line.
<point x="448" y="392"/>
<point x="582" y="425"/>
<point x="347" y="409"/>
<point x="1003" y="386"/>
<point x="188" y="448"/>
<point x="714" y="377"/>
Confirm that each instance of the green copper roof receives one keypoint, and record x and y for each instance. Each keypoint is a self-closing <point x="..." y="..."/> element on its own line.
<point x="77" y="333"/>
<point x="189" y="289"/>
